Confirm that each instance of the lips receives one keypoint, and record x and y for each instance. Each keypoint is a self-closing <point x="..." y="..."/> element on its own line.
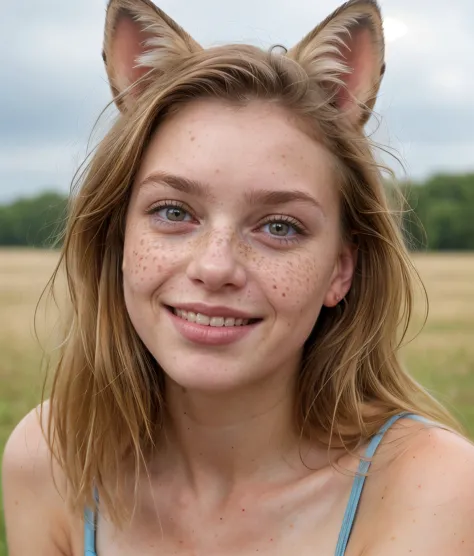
<point x="212" y="315"/>
<point x="211" y="311"/>
<point x="211" y="326"/>
<point x="208" y="320"/>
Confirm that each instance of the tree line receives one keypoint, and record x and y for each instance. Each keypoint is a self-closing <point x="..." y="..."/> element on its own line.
<point x="438" y="216"/>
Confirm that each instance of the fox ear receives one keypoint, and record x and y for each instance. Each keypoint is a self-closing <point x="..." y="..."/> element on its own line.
<point x="140" y="37"/>
<point x="346" y="54"/>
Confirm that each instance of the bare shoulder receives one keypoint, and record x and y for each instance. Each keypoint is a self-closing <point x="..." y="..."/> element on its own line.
<point x="423" y="498"/>
<point x="34" y="492"/>
<point x="26" y="452"/>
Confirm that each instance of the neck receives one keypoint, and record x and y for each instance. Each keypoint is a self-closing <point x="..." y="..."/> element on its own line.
<point x="220" y="440"/>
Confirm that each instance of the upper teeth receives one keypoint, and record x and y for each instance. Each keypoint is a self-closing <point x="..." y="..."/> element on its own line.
<point x="205" y="320"/>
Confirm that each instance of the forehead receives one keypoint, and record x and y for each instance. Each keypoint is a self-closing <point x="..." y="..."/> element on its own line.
<point x="257" y="145"/>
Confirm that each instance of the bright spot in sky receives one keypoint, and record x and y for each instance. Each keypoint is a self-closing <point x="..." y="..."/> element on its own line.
<point x="394" y="29"/>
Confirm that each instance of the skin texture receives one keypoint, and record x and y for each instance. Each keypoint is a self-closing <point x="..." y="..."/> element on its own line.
<point x="223" y="254"/>
<point x="233" y="477"/>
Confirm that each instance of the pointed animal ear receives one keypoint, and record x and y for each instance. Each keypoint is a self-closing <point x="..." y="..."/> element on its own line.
<point x="346" y="54"/>
<point x="140" y="37"/>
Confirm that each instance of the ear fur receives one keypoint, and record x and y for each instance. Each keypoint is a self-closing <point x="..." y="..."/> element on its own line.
<point x="346" y="53"/>
<point x="140" y="37"/>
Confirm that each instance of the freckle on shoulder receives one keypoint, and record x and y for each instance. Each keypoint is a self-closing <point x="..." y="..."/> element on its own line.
<point x="420" y="454"/>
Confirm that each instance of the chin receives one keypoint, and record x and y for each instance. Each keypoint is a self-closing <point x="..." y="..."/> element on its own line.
<point x="208" y="373"/>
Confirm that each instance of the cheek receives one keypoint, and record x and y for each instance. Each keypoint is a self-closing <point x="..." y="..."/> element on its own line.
<point x="296" y="285"/>
<point x="292" y="282"/>
<point x="146" y="261"/>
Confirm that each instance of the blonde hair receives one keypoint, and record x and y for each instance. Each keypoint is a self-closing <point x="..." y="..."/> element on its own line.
<point x="106" y="402"/>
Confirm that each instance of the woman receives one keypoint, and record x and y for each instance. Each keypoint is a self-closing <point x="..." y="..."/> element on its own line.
<point x="237" y="284"/>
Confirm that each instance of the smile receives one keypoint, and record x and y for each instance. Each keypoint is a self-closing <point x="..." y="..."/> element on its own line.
<point x="212" y="330"/>
<point x="206" y="320"/>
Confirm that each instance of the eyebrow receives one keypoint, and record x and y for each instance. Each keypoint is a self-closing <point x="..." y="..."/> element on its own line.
<point x="180" y="183"/>
<point x="196" y="188"/>
<point x="271" y="197"/>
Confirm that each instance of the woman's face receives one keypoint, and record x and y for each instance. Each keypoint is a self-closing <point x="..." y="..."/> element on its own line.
<point x="232" y="244"/>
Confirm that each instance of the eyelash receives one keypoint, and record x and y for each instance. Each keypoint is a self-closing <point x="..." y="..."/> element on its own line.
<point x="295" y="224"/>
<point x="165" y="205"/>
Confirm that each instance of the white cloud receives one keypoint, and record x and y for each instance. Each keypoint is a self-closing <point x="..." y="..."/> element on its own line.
<point x="53" y="84"/>
<point x="452" y="83"/>
<point x="56" y="159"/>
<point x="447" y="157"/>
<point x="25" y="170"/>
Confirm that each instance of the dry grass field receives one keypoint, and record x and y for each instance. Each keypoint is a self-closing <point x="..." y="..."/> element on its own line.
<point x="441" y="356"/>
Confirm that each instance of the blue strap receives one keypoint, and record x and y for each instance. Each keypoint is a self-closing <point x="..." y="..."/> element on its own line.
<point x="359" y="481"/>
<point x="90" y="522"/>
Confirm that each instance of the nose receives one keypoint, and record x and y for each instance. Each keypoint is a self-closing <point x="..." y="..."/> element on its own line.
<point x="214" y="263"/>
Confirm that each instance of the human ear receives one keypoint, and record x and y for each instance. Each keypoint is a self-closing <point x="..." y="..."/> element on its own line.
<point x="341" y="279"/>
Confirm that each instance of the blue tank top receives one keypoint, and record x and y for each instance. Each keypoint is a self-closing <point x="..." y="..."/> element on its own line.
<point x="90" y="516"/>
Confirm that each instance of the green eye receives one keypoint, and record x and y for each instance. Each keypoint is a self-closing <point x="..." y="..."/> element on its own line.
<point x="169" y="212"/>
<point x="175" y="214"/>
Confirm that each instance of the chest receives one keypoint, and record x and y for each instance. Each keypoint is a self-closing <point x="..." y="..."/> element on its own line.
<point x="243" y="537"/>
<point x="301" y="523"/>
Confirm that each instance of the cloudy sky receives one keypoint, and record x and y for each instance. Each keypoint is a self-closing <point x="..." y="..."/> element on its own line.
<point x="54" y="85"/>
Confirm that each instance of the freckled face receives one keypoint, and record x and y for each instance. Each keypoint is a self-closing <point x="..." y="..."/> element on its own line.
<point x="233" y="238"/>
